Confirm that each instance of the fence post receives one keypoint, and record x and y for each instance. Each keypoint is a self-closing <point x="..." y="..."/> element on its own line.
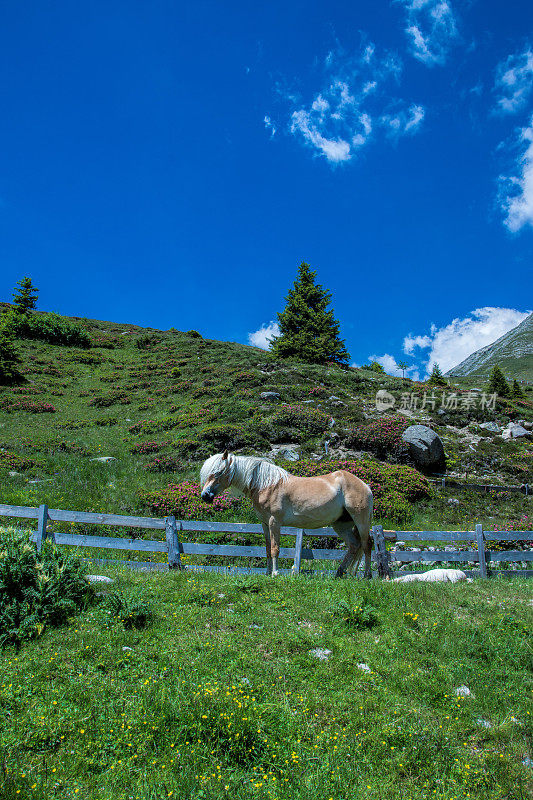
<point x="41" y="526"/>
<point x="481" y="550"/>
<point x="298" y="552"/>
<point x="384" y="570"/>
<point x="171" y="530"/>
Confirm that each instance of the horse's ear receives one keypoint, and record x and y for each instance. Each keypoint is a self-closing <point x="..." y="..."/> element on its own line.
<point x="225" y="455"/>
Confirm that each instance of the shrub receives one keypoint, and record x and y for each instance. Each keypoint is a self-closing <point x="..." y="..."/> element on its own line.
<point x="102" y="421"/>
<point x="132" y="611"/>
<point x="307" y="420"/>
<point x="143" y="448"/>
<point x="26" y="405"/>
<point x="112" y="399"/>
<point x="165" y="464"/>
<point x="153" y="425"/>
<point x="183" y="500"/>
<point x="194" y="334"/>
<point x="381" y="436"/>
<point x="37" y="590"/>
<point x="51" y="328"/>
<point x="9" y="358"/>
<point x="227" y="435"/>
<point x="14" y="461"/>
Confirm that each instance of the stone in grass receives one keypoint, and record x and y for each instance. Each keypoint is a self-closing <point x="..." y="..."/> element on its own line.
<point x="99" y="579"/>
<point x="483" y="722"/>
<point x="363" y="667"/>
<point x="272" y="396"/>
<point x="104" y="459"/>
<point x="463" y="691"/>
<point x="323" y="655"/>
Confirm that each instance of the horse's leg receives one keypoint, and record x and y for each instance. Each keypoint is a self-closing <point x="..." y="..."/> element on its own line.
<point x="362" y="517"/>
<point x="346" y="532"/>
<point x="367" y="547"/>
<point x="267" y="545"/>
<point x="274" y="529"/>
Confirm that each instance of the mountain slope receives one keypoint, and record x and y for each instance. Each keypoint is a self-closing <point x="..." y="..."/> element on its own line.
<point x="512" y="352"/>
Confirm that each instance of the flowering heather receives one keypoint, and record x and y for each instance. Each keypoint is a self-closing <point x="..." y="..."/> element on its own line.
<point x="317" y="391"/>
<point x="152" y="425"/>
<point x="27" y="405"/>
<point x="14" y="461"/>
<point x="114" y="398"/>
<point x="524" y="523"/>
<point x="308" y="420"/>
<point x="164" y="464"/>
<point x="27" y="390"/>
<point x="380" y="435"/>
<point x="143" y="448"/>
<point x="184" y="502"/>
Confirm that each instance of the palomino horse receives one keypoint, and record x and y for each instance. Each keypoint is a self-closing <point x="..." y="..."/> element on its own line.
<point x="339" y="499"/>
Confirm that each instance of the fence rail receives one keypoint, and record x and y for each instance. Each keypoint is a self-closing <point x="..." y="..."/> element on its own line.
<point x="174" y="547"/>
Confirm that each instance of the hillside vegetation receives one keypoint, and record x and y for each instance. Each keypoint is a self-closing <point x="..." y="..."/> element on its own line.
<point x="158" y="403"/>
<point x="512" y="352"/>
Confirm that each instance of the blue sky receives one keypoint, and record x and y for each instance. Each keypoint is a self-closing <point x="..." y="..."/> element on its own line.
<point x="171" y="164"/>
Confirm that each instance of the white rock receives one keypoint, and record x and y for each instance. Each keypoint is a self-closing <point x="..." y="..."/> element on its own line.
<point x="441" y="575"/>
<point x="127" y="649"/>
<point x="463" y="691"/>
<point x="13" y="474"/>
<point x="323" y="655"/>
<point x="99" y="579"/>
<point x="483" y="722"/>
<point x="363" y="667"/>
<point x="104" y="459"/>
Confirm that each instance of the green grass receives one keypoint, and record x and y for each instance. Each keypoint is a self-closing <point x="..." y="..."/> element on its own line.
<point x="221" y="697"/>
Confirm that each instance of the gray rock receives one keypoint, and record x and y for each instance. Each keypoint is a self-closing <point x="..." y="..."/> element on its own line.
<point x="518" y="432"/>
<point x="99" y="579"/>
<point x="318" y="652"/>
<point x="13" y="474"/>
<point x="425" y="447"/>
<point x="272" y="396"/>
<point x="286" y="452"/>
<point x="307" y="402"/>
<point x="492" y="427"/>
<point x="104" y="459"/>
<point x="453" y="501"/>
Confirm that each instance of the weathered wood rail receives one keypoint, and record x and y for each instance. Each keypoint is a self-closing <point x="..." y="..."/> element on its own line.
<point x="174" y="547"/>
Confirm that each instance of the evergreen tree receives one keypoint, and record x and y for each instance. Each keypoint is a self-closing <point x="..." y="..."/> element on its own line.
<point x="25" y="297"/>
<point x="403" y="366"/>
<point x="498" y="384"/>
<point x="516" y="390"/>
<point x="375" y="366"/>
<point x="9" y="357"/>
<point x="308" y="330"/>
<point x="437" y="378"/>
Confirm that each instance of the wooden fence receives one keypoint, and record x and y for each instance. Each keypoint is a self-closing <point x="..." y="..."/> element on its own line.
<point x="174" y="547"/>
<point x="451" y="483"/>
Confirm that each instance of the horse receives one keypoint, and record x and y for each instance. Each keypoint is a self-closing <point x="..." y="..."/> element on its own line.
<point x="339" y="499"/>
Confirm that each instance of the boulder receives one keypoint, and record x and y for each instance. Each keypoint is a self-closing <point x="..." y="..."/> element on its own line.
<point x="441" y="575"/>
<point x="270" y="396"/>
<point x="491" y="427"/>
<point x="518" y="431"/>
<point x="425" y="447"/>
<point x="286" y="452"/>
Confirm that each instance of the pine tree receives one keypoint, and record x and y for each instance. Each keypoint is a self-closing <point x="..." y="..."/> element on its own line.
<point x="498" y="384"/>
<point x="308" y="330"/>
<point x="9" y="357"/>
<point x="437" y="378"/>
<point x="516" y="390"/>
<point x="403" y="366"/>
<point x="375" y="366"/>
<point x="25" y="298"/>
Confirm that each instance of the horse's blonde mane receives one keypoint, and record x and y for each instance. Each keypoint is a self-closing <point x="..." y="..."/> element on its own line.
<point x="248" y="473"/>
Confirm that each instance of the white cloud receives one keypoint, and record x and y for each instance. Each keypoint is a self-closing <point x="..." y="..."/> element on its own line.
<point x="349" y="109"/>
<point x="452" y="343"/>
<point x="405" y="121"/>
<point x="431" y="26"/>
<point x="514" y="81"/>
<point x="516" y="193"/>
<point x="262" y="337"/>
<point x="269" y="125"/>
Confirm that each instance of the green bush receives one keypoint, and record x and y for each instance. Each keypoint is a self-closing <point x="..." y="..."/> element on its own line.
<point x="51" y="328"/>
<point x="37" y="590"/>
<point x="131" y="610"/>
<point x="356" y="613"/>
<point x="307" y="420"/>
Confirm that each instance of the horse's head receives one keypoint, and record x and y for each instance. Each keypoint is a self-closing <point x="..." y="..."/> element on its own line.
<point x="215" y="475"/>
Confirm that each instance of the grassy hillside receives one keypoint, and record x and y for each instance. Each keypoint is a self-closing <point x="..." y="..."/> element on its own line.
<point x="158" y="403"/>
<point x="222" y="696"/>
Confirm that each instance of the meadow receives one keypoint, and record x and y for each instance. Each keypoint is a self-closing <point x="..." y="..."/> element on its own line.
<point x="220" y="693"/>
